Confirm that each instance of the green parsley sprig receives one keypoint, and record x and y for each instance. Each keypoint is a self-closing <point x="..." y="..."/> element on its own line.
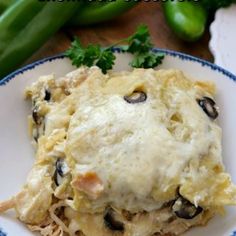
<point x="90" y="55"/>
<point x="139" y="44"/>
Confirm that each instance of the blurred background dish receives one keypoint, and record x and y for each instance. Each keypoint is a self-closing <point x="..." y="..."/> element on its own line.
<point x="223" y="36"/>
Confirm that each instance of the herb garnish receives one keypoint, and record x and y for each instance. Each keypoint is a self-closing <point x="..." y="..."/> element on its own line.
<point x="139" y="44"/>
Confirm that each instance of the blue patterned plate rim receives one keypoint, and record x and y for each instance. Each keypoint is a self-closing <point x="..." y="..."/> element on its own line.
<point x="180" y="55"/>
<point x="2" y="233"/>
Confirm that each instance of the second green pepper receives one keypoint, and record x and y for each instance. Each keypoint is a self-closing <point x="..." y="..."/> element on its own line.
<point x="96" y="12"/>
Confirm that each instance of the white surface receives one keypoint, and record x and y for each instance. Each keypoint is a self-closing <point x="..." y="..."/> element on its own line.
<point x="17" y="154"/>
<point x="223" y="38"/>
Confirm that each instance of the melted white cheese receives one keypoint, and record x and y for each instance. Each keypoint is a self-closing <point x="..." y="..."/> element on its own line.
<point x="139" y="158"/>
<point x="142" y="153"/>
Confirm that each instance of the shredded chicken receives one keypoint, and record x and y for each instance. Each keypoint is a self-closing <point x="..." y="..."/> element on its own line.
<point x="53" y="225"/>
<point x="7" y="205"/>
<point x="48" y="228"/>
<point x="90" y="184"/>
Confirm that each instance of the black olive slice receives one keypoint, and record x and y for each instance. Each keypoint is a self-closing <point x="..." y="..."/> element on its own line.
<point x="35" y="116"/>
<point x="61" y="170"/>
<point x="185" y="209"/>
<point x="47" y="96"/>
<point x="136" y="97"/>
<point x="36" y="135"/>
<point x="59" y="167"/>
<point x="209" y="107"/>
<point x="111" y="222"/>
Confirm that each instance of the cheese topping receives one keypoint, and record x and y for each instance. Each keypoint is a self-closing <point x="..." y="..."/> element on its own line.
<point x="143" y="152"/>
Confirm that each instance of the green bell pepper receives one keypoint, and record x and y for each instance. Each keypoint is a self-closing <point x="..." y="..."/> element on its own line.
<point x="186" y="18"/>
<point x="26" y="26"/>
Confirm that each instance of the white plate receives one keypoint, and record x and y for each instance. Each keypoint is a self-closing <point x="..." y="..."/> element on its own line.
<point x="17" y="154"/>
<point x="223" y="38"/>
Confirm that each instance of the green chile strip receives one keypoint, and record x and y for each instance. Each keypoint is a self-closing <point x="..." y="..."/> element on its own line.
<point x="26" y="26"/>
<point x="186" y="18"/>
